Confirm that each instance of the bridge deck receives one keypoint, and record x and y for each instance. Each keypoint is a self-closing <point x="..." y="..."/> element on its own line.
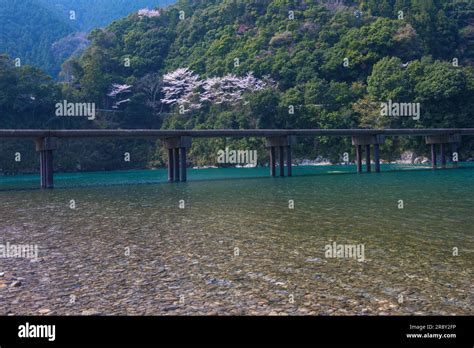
<point x="212" y="133"/>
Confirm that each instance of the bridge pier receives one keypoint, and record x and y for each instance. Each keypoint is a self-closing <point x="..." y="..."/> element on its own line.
<point x="176" y="164"/>
<point x="182" y="157"/>
<point x="433" y="156"/>
<point x="359" y="158"/>
<point x="272" y="161"/>
<point x="281" y="155"/>
<point x="443" y="140"/>
<point x="170" y="165"/>
<point x="177" y="147"/>
<point x="368" y="140"/>
<point x="45" y="147"/>
<point x="442" y="149"/>
<point x="368" y="163"/>
<point x="282" y="143"/>
<point x="289" y="171"/>
<point x="377" y="157"/>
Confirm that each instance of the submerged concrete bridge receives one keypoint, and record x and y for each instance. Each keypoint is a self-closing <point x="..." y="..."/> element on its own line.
<point x="178" y="141"/>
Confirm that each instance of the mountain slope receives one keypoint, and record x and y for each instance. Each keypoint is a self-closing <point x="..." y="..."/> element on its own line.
<point x="28" y="30"/>
<point x="42" y="33"/>
<point x="92" y="14"/>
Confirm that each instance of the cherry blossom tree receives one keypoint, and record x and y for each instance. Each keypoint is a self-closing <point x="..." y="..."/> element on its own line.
<point x="230" y="88"/>
<point x="219" y="90"/>
<point x="145" y="12"/>
<point x="116" y="91"/>
<point x="181" y="87"/>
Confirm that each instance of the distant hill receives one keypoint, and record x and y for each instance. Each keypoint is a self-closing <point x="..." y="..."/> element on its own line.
<point x="41" y="33"/>
<point x="92" y="14"/>
<point x="28" y="30"/>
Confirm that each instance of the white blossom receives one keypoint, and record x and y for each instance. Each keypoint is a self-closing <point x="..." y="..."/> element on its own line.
<point x="116" y="90"/>
<point x="230" y="88"/>
<point x="145" y="12"/>
<point x="180" y="87"/>
<point x="184" y="88"/>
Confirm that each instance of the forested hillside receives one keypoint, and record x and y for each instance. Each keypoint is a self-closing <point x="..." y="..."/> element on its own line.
<point x="302" y="45"/>
<point x="327" y="64"/>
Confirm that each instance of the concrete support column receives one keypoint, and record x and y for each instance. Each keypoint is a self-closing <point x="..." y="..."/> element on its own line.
<point x="433" y="156"/>
<point x="359" y="158"/>
<point x="441" y="139"/>
<point x="281" y="158"/>
<point x="176" y="164"/>
<point x="288" y="161"/>
<point x="368" y="140"/>
<point x="272" y="161"/>
<point x="368" y="165"/>
<point x="177" y="148"/>
<point x="443" y="155"/>
<point x="282" y="143"/>
<point x="45" y="147"/>
<point x="45" y="181"/>
<point x="170" y="165"/>
<point x="183" y="164"/>
<point x="377" y="157"/>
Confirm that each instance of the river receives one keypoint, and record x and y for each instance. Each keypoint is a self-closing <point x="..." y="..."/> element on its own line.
<point x="235" y="241"/>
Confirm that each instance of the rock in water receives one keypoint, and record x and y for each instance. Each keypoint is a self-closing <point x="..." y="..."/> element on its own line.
<point x="15" y="284"/>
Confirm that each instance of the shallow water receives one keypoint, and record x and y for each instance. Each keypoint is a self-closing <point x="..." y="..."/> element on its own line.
<point x="236" y="247"/>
